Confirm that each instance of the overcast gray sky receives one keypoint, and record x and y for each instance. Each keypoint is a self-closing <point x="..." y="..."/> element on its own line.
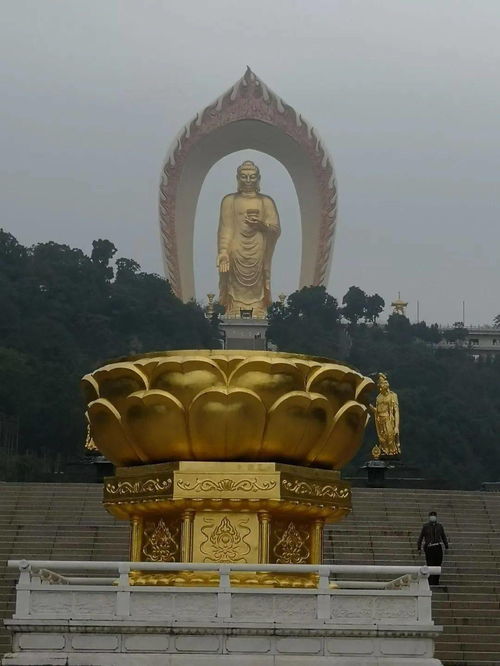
<point x="404" y="93"/>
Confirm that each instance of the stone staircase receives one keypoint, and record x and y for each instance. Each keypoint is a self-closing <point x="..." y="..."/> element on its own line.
<point x="67" y="522"/>
<point x="383" y="529"/>
<point x="54" y="522"/>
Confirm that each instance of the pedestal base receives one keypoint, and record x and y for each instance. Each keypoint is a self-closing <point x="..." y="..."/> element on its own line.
<point x="262" y="628"/>
<point x="247" y="513"/>
<point x="391" y="472"/>
<point x="248" y="334"/>
<point x="376" y="471"/>
<point x="246" y="650"/>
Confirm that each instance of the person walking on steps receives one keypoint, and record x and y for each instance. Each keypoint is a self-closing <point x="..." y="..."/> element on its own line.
<point x="432" y="536"/>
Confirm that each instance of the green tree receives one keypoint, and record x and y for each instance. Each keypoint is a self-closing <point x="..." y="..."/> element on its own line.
<point x="450" y="404"/>
<point x="456" y="335"/>
<point x="63" y="314"/>
<point x="354" y="305"/>
<point x="308" y="323"/>
<point x="102" y="252"/>
<point x="425" y="333"/>
<point x="373" y="307"/>
<point x="399" y="329"/>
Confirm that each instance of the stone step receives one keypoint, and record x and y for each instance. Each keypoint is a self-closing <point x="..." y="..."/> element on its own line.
<point x="439" y="606"/>
<point x="469" y="617"/>
<point x="478" y="656"/>
<point x="466" y="631"/>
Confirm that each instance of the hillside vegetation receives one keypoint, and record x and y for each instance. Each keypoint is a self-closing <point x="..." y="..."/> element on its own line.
<point x="63" y="313"/>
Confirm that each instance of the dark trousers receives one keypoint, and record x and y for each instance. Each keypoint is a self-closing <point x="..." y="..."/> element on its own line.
<point x="434" y="558"/>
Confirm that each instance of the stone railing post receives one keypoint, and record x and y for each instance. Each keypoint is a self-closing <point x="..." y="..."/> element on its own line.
<point x="424" y="598"/>
<point x="324" y="593"/>
<point x="224" y="592"/>
<point x="123" y="591"/>
<point x="23" y="588"/>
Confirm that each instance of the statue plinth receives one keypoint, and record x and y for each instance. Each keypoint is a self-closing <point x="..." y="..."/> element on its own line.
<point x="210" y="512"/>
<point x="227" y="456"/>
<point x="242" y="333"/>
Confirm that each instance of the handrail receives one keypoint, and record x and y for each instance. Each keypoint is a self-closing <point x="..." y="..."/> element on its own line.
<point x="43" y="583"/>
<point x="321" y="569"/>
<point x="46" y="571"/>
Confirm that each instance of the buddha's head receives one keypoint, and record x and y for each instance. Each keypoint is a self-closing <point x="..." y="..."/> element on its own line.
<point x="248" y="177"/>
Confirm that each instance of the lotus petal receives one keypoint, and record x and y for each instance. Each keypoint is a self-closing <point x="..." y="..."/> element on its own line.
<point x="344" y="438"/>
<point x="336" y="382"/>
<point x="306" y="367"/>
<point x="364" y="389"/>
<point x="186" y="377"/>
<point x="147" y="366"/>
<point x="227" y="405"/>
<point x="157" y="422"/>
<point x="90" y="388"/>
<point x="109" y="435"/>
<point x="118" y="380"/>
<point x="269" y="378"/>
<point x="226" y="424"/>
<point x="296" y="422"/>
<point x="228" y="364"/>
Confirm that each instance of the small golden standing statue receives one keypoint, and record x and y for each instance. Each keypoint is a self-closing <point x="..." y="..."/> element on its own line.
<point x="249" y="227"/>
<point x="386" y="413"/>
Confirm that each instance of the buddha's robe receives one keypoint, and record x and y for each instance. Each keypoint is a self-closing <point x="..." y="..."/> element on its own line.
<point x="250" y="248"/>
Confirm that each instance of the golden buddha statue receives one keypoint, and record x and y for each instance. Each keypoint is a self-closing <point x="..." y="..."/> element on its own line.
<point x="249" y="227"/>
<point x="386" y="412"/>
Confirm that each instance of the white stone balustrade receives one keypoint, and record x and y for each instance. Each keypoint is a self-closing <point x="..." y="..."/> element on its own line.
<point x="65" y="617"/>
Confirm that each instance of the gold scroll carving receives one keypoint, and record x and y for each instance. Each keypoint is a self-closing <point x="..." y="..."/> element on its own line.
<point x="137" y="487"/>
<point x="313" y="489"/>
<point x="227" y="485"/>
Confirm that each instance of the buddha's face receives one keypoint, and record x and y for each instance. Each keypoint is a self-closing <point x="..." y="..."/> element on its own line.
<point x="248" y="180"/>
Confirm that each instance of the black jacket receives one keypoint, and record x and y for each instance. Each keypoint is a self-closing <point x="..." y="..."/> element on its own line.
<point x="432" y="533"/>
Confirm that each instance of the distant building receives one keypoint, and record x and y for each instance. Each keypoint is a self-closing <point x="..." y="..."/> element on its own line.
<point x="484" y="341"/>
<point x="481" y="341"/>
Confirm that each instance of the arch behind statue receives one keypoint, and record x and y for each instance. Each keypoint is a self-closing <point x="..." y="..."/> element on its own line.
<point x="248" y="116"/>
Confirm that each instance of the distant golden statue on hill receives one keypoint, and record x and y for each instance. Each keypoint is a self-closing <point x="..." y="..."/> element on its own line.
<point x="249" y="227"/>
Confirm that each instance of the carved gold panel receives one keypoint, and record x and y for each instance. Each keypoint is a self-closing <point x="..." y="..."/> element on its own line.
<point x="160" y="541"/>
<point x="225" y="537"/>
<point x="290" y="542"/>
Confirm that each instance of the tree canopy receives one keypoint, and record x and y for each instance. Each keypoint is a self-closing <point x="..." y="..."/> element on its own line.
<point x="64" y="313"/>
<point x="449" y="402"/>
<point x="309" y="320"/>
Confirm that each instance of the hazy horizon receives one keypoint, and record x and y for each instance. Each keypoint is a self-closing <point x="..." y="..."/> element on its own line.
<point x="403" y="94"/>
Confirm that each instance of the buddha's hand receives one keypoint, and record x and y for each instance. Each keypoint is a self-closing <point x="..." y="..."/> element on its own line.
<point x="223" y="262"/>
<point x="253" y="218"/>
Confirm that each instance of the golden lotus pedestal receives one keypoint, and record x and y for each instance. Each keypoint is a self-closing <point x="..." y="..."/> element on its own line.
<point x="216" y="512"/>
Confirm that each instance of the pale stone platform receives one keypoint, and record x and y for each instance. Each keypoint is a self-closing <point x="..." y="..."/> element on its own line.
<point x="98" y="619"/>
